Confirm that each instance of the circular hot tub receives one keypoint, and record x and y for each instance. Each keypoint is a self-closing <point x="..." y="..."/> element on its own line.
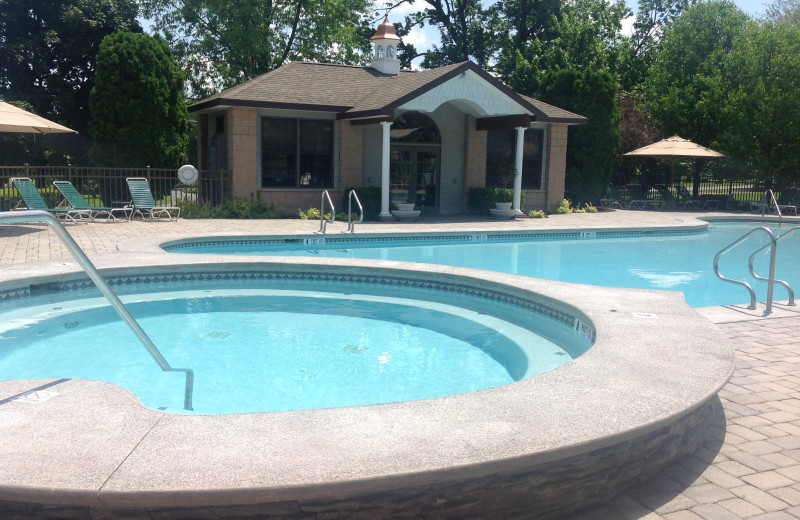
<point x="638" y="399"/>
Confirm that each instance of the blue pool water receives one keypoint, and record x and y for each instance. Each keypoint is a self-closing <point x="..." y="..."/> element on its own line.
<point x="681" y="262"/>
<point x="256" y="349"/>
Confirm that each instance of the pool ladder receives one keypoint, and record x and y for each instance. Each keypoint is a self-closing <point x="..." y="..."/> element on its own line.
<point x="351" y="224"/>
<point x="771" y="280"/>
<point x="88" y="267"/>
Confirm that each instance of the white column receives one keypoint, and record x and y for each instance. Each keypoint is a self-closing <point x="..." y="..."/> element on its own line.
<point x="518" y="166"/>
<point x="385" y="182"/>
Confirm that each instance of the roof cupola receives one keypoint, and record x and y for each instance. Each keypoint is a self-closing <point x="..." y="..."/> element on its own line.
<point x="385" y="42"/>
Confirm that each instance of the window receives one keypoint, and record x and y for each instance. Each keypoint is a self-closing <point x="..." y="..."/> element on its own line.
<point x="501" y="151"/>
<point x="296" y="153"/>
<point x="389" y="52"/>
<point x="380" y="51"/>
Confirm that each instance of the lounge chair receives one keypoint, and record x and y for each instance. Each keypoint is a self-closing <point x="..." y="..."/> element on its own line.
<point x="666" y="194"/>
<point x="76" y="200"/>
<point x="789" y="200"/>
<point x="638" y="197"/>
<point x="143" y="202"/>
<point x="33" y="201"/>
<point x="702" y="202"/>
<point x="610" y="198"/>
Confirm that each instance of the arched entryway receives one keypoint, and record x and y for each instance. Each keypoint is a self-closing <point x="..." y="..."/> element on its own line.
<point x="415" y="161"/>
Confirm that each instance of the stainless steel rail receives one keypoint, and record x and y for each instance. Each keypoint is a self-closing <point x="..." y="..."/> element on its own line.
<point x="775" y="202"/>
<point x="771" y="279"/>
<point x="83" y="261"/>
<point x="351" y="225"/>
<point x="784" y="283"/>
<point x="322" y="222"/>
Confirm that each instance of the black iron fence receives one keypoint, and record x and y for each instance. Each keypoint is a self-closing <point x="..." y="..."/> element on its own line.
<point x="730" y="195"/>
<point x="107" y="186"/>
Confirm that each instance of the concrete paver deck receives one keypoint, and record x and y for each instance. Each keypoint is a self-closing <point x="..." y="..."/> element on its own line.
<point x="749" y="468"/>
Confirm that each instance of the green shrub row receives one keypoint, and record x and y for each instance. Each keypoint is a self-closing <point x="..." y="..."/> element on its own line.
<point x="239" y="207"/>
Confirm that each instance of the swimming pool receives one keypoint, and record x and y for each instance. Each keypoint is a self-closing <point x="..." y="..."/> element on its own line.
<point x="675" y="260"/>
<point x="261" y="343"/>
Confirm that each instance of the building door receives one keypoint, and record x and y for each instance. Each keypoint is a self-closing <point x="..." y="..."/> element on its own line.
<point x="415" y="176"/>
<point x="415" y="161"/>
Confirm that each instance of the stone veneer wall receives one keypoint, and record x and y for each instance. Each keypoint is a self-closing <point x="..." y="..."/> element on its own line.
<point x="535" y="492"/>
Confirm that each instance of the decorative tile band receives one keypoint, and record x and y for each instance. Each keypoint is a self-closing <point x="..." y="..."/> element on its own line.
<point x="317" y="241"/>
<point x="529" y="304"/>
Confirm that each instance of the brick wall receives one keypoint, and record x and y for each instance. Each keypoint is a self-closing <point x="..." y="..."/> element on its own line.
<point x="243" y="150"/>
<point x="556" y="163"/>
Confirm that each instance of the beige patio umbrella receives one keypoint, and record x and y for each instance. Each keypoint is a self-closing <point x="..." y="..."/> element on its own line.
<point x="13" y="119"/>
<point x="674" y="147"/>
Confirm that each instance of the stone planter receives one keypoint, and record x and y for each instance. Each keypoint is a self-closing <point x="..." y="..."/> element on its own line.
<point x="404" y="206"/>
<point x="505" y="206"/>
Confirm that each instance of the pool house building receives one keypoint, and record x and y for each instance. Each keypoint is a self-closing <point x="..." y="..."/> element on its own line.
<point x="423" y="137"/>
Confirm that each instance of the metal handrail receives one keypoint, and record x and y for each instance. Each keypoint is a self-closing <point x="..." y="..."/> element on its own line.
<point x="784" y="283"/>
<point x="322" y="222"/>
<point x="747" y="285"/>
<point x="83" y="261"/>
<point x="351" y="226"/>
<point x="775" y="202"/>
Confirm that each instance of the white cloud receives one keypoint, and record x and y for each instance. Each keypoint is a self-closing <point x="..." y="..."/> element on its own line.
<point x="627" y="26"/>
<point x="417" y="38"/>
<point x="405" y="8"/>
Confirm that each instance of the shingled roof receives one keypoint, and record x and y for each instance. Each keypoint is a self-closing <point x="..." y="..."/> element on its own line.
<point x="358" y="92"/>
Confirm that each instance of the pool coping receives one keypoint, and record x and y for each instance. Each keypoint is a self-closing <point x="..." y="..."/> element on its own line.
<point x="626" y="386"/>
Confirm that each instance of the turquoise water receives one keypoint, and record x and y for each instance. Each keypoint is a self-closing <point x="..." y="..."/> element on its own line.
<point x="257" y="350"/>
<point x="677" y="263"/>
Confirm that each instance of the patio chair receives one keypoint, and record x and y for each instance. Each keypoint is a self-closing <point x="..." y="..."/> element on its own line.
<point x="666" y="193"/>
<point x="789" y="200"/>
<point x="685" y="198"/>
<point x="33" y="201"/>
<point x="610" y="199"/>
<point x="143" y="202"/>
<point x="76" y="200"/>
<point x="638" y="197"/>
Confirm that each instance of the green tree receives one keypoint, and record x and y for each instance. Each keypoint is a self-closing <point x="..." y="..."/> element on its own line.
<point x="466" y="32"/>
<point x="543" y="37"/>
<point x="763" y="106"/>
<point x="221" y="43"/>
<point x="47" y="59"/>
<point x="684" y="90"/>
<point x="784" y="11"/>
<point x="653" y="17"/>
<point x="139" y="117"/>
<point x="590" y="148"/>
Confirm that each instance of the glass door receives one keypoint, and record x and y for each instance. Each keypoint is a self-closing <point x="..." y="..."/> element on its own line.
<point x="415" y="176"/>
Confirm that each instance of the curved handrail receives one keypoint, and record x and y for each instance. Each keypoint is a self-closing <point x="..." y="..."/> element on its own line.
<point x="111" y="296"/>
<point x="322" y="222"/>
<point x="745" y="284"/>
<point x="781" y="282"/>
<point x="351" y="226"/>
<point x="775" y="202"/>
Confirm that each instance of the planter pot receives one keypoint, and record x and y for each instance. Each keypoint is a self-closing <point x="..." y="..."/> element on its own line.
<point x="504" y="206"/>
<point x="405" y="207"/>
<point x="406" y="215"/>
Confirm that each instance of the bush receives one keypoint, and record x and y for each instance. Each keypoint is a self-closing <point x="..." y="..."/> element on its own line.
<point x="537" y="213"/>
<point x="312" y="213"/>
<point x="239" y="207"/>
<point x="370" y="197"/>
<point x="563" y="208"/>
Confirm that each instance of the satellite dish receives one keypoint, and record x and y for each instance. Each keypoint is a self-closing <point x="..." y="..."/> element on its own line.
<point x="187" y="174"/>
